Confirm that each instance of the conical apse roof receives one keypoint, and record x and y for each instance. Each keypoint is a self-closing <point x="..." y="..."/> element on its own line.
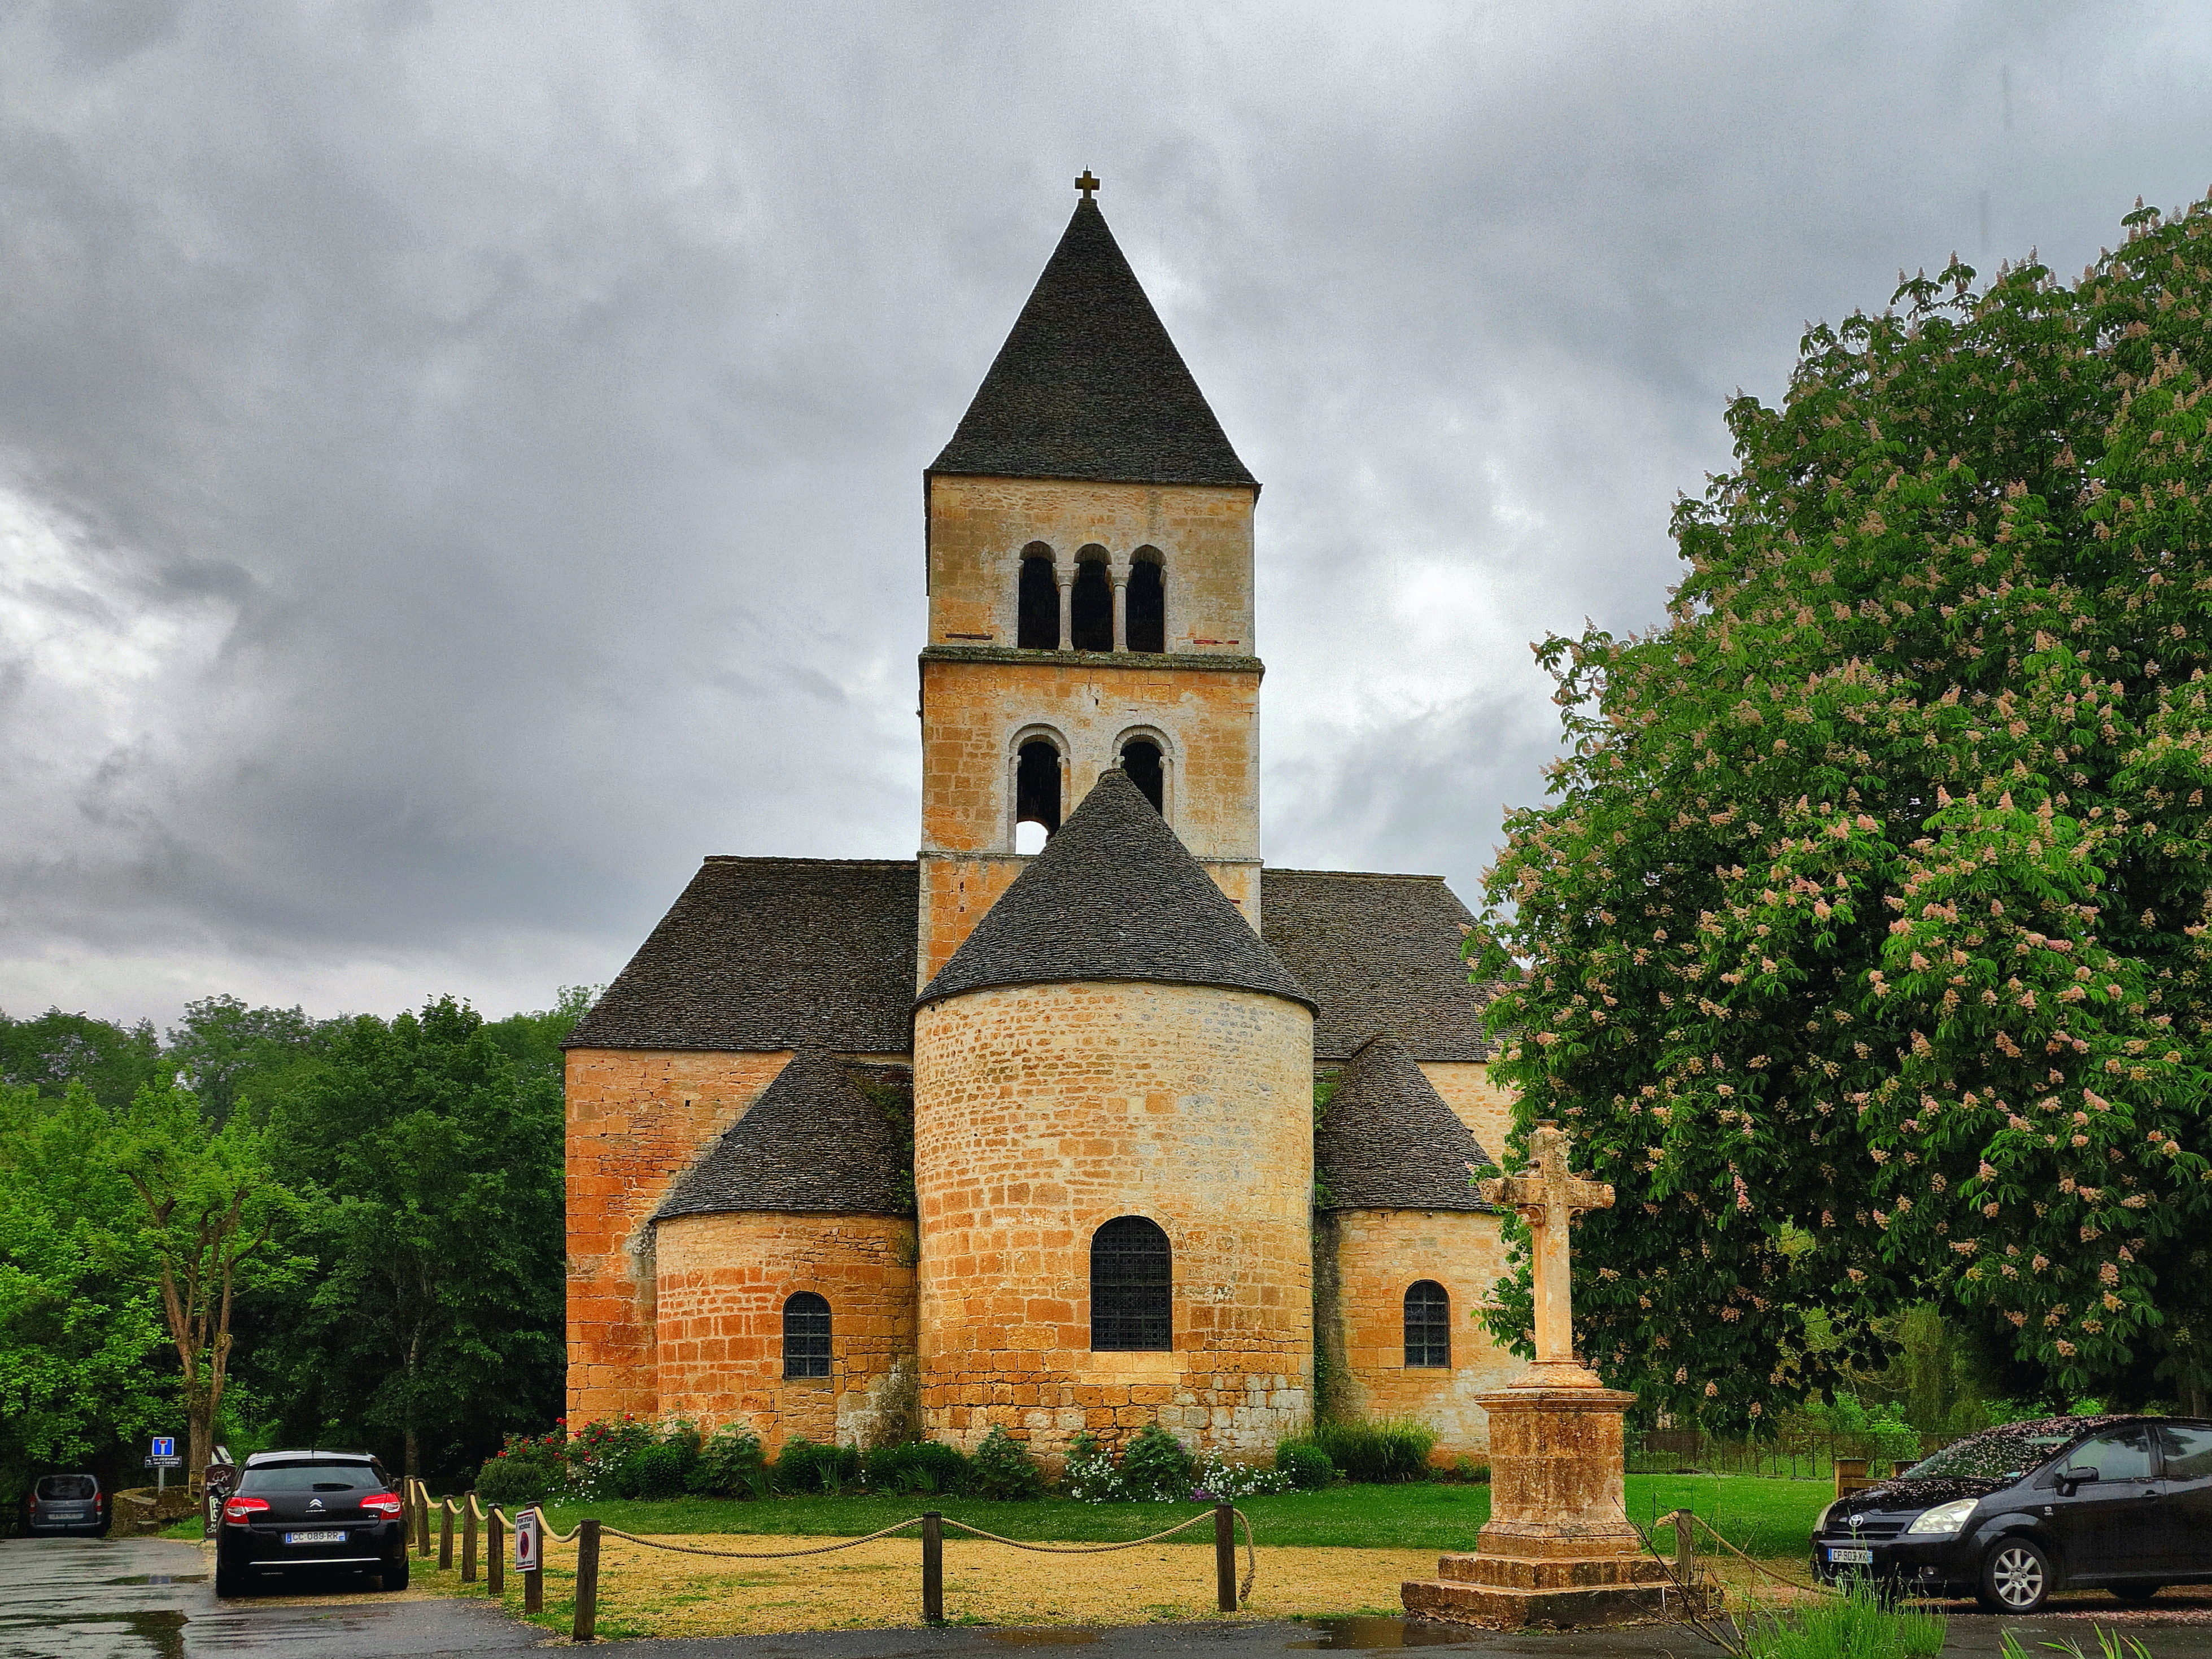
<point x="1115" y="896"/>
<point x="1387" y="1140"/>
<point x="1088" y="386"/>
<point x="811" y="1142"/>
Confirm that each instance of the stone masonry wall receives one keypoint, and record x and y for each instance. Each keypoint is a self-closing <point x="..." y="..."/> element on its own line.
<point x="723" y="1280"/>
<point x="1485" y="1107"/>
<point x="1367" y="1259"/>
<point x="636" y="1119"/>
<point x="1044" y="1111"/>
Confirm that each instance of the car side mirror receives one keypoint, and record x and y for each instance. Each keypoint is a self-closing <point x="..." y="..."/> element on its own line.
<point x="2077" y="1476"/>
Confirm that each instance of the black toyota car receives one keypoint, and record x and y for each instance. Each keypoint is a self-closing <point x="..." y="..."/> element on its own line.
<point x="310" y="1511"/>
<point x="2011" y="1515"/>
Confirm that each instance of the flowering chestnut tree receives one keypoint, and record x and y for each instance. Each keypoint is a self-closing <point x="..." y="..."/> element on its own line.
<point x="1862" y="942"/>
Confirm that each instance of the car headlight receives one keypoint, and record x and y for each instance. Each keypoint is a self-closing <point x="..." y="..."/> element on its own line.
<point x="1944" y="1517"/>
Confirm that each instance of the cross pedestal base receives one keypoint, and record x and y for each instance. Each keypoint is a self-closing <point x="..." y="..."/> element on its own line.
<point x="1558" y="1553"/>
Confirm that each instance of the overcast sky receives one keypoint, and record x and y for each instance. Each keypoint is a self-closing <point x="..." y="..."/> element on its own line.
<point x="459" y="463"/>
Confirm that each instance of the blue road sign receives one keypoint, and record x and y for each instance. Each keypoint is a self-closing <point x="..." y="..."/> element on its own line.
<point x="165" y="1445"/>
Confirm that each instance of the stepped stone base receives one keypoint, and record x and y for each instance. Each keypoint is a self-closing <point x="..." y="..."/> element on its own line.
<point x="1516" y="1593"/>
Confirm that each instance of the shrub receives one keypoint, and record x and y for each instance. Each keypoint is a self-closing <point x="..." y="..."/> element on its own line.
<point x="805" y="1466"/>
<point x="1089" y="1476"/>
<point x="1382" y="1453"/>
<point x="731" y="1465"/>
<point x="662" y="1470"/>
<point x="1004" y="1469"/>
<point x="598" y="1452"/>
<point x="524" y="1471"/>
<point x="915" y="1466"/>
<point x="1306" y="1463"/>
<point x="1155" y="1468"/>
<point x="1217" y="1477"/>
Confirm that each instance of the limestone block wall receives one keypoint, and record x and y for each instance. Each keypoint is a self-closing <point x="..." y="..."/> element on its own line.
<point x="722" y="1282"/>
<point x="1365" y="1260"/>
<point x="978" y="528"/>
<point x="1044" y="1111"/>
<point x="1485" y="1107"/>
<point x="637" y="1118"/>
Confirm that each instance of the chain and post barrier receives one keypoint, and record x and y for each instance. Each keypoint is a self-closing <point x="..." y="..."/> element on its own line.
<point x="445" y="1534"/>
<point x="469" y="1539"/>
<point x="494" y="1555"/>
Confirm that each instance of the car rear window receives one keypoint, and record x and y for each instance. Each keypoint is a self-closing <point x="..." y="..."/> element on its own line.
<point x="68" y="1488"/>
<point x="311" y="1477"/>
<point x="2000" y="1453"/>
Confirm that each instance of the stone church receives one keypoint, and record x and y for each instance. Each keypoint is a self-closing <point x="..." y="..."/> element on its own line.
<point x="1082" y="1117"/>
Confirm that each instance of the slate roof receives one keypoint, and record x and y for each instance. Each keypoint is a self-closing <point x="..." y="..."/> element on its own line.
<point x="1378" y="952"/>
<point x="1088" y="386"/>
<point x="811" y="1142"/>
<point x="762" y="954"/>
<point x="1387" y="1140"/>
<point x="1114" y="896"/>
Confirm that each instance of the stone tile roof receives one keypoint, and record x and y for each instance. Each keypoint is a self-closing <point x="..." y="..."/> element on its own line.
<point x="813" y="1141"/>
<point x="1387" y="1140"/>
<point x="1114" y="896"/>
<point x="1378" y="952"/>
<point x="1088" y="386"/>
<point x="763" y="954"/>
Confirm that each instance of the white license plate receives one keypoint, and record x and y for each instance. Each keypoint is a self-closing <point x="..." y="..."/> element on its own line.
<point x="1851" y="1557"/>
<point x="322" y="1538"/>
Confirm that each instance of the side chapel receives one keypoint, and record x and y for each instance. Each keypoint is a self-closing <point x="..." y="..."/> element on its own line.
<point x="862" y="1147"/>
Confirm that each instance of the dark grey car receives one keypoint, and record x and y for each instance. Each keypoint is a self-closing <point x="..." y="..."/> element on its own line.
<point x="67" y="1502"/>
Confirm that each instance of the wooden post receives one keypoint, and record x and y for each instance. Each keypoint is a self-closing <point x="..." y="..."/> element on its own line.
<point x="445" y="1534"/>
<point x="587" y="1580"/>
<point x="933" y="1567"/>
<point x="494" y="1555"/>
<point x="469" y="1539"/>
<point x="422" y="1519"/>
<point x="1225" y="1553"/>
<point x="1685" y="1547"/>
<point x="533" y="1575"/>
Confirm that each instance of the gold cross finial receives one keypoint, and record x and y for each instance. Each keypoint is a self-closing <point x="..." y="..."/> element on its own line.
<point x="1086" y="184"/>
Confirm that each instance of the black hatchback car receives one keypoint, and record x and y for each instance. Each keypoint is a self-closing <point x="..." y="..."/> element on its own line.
<point x="66" y="1502"/>
<point x="311" y="1511"/>
<point x="2013" y="1514"/>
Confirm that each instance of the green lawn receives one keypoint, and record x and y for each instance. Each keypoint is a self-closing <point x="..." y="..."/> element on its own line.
<point x="1767" y="1517"/>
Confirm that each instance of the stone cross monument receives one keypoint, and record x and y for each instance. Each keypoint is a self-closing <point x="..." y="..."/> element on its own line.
<point x="1558" y="1551"/>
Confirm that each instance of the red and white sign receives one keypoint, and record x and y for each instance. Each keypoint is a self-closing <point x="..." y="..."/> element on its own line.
<point x="529" y="1544"/>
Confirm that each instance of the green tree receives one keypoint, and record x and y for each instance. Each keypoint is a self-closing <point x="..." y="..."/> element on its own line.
<point x="1863" y="942"/>
<point x="56" y="1049"/>
<point x="434" y="1170"/>
<point x="224" y="1048"/>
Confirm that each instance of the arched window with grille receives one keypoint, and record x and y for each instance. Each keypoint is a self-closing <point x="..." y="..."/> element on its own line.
<point x="806" y="1335"/>
<point x="1147" y="601"/>
<point x="1131" y="1275"/>
<point x="1428" y="1324"/>
<point x="1036" y="628"/>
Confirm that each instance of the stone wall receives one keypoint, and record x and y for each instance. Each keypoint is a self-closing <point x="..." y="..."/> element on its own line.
<point x="1485" y="1107"/>
<point x="1044" y="1111"/>
<point x="1366" y="1259"/>
<point x="723" y="1280"/>
<point x="636" y="1119"/>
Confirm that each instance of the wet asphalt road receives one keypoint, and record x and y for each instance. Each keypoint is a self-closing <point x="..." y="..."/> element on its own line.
<point x="149" y="1599"/>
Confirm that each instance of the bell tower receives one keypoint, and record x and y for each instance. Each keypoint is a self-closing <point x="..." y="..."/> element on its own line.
<point x="1089" y="579"/>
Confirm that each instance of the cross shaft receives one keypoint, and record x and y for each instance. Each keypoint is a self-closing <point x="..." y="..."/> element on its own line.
<point x="1549" y="1197"/>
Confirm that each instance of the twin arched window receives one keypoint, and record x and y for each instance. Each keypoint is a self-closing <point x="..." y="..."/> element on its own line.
<point x="806" y="1335"/>
<point x="1091" y="624"/>
<point x="1132" y="1286"/>
<point x="1428" y="1324"/>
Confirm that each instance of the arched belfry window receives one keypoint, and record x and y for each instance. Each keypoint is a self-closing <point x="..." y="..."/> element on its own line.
<point x="1140" y="759"/>
<point x="1147" y="602"/>
<point x="1036" y="785"/>
<point x="1090" y="607"/>
<point x="806" y="1335"/>
<point x="1428" y="1324"/>
<point x="1132" y="1273"/>
<point x="1038" y="625"/>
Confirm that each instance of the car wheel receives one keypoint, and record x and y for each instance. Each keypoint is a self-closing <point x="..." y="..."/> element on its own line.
<point x="394" y="1576"/>
<point x="2016" y="1576"/>
<point x="2136" y="1592"/>
<point x="228" y="1581"/>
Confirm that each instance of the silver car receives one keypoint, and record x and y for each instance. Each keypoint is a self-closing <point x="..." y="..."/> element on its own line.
<point x="68" y="1502"/>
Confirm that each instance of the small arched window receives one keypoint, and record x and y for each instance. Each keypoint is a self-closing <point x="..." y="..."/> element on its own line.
<point x="1147" y="602"/>
<point x="1140" y="759"/>
<point x="806" y="1335"/>
<point x="1036" y="785"/>
<point x="1428" y="1324"/>
<point x="1131" y="1278"/>
<point x="1037" y="627"/>
<point x="1090" y="607"/>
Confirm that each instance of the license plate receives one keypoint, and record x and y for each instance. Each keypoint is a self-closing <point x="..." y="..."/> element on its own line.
<point x="314" y="1538"/>
<point x="1839" y="1558"/>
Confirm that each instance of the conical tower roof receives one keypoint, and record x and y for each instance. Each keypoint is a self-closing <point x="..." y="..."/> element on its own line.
<point x="1115" y="896"/>
<point x="1387" y="1140"/>
<point x="811" y="1142"/>
<point x="1089" y="385"/>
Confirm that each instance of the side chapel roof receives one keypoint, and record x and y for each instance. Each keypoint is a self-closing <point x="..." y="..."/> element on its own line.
<point x="1115" y="896"/>
<point x="1088" y="386"/>
<point x="1387" y="1140"/>
<point x="812" y="1142"/>
<point x="1378" y="952"/>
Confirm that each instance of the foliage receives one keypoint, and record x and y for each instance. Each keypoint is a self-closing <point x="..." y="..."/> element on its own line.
<point x="1089" y="1475"/>
<point x="1310" y="1468"/>
<point x="806" y="1466"/>
<point x="1378" y="1452"/>
<point x="600" y="1451"/>
<point x="1857" y="1624"/>
<point x="663" y="1469"/>
<point x="526" y="1468"/>
<point x="1155" y="1466"/>
<point x="915" y="1466"/>
<point x="49" y="1053"/>
<point x="1862" y="947"/>
<point x="2110" y="1645"/>
<point x="1883" y="1430"/>
<point x="731" y="1465"/>
<point x="1215" y="1477"/>
<point x="1002" y="1470"/>
<point x="227" y="1051"/>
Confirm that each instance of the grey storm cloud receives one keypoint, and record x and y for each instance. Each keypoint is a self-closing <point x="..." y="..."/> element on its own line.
<point x="460" y="463"/>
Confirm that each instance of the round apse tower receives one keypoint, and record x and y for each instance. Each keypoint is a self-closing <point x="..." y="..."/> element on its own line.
<point x="1113" y="1155"/>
